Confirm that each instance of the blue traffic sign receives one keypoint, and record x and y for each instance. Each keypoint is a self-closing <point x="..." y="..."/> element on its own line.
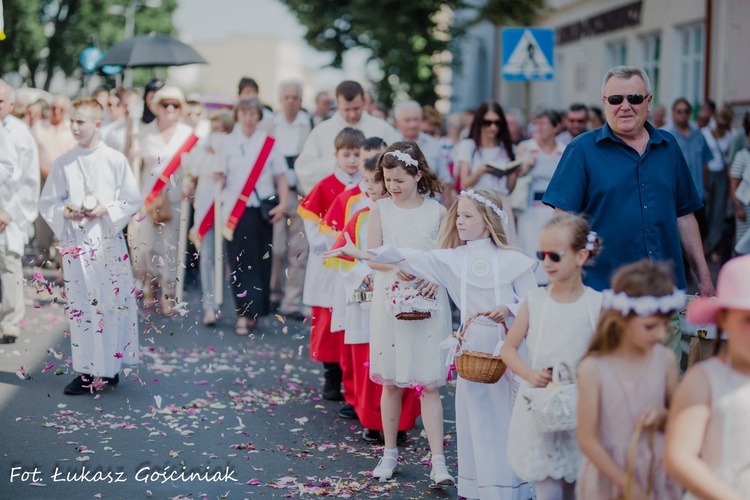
<point x="528" y="54"/>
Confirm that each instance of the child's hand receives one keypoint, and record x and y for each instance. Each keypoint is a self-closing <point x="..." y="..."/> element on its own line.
<point x="637" y="492"/>
<point x="498" y="314"/>
<point x="654" y="418"/>
<point x="98" y="211"/>
<point x="403" y="275"/>
<point x="427" y="289"/>
<point x="72" y="214"/>
<point x="349" y="250"/>
<point x="368" y="280"/>
<point x="538" y="378"/>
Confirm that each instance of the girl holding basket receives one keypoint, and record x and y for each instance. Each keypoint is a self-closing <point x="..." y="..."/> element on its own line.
<point x="487" y="281"/>
<point x="557" y="322"/>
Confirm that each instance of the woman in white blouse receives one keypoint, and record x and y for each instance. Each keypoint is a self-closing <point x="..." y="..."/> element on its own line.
<point x="489" y="141"/>
<point x="250" y="245"/>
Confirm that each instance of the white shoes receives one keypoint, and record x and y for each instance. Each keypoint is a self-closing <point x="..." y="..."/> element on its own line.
<point x="385" y="468"/>
<point x="439" y="475"/>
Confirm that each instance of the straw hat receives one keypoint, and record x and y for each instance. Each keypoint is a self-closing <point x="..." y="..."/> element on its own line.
<point x="732" y="292"/>
<point x="167" y="93"/>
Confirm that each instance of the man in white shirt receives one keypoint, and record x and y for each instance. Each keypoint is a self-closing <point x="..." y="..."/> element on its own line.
<point x="316" y="161"/>
<point x="18" y="209"/>
<point x="290" y="128"/>
<point x="409" y="117"/>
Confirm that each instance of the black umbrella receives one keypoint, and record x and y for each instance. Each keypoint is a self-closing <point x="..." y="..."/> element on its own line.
<point x="150" y="50"/>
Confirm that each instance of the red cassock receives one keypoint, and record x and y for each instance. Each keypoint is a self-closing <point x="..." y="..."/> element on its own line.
<point x="325" y="346"/>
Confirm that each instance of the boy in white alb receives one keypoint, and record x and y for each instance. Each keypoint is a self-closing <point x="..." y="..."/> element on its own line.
<point x="87" y="200"/>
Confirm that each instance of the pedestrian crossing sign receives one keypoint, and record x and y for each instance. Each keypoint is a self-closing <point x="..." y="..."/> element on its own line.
<point x="528" y="54"/>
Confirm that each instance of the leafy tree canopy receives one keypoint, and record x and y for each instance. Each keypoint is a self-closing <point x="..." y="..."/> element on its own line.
<point x="404" y="38"/>
<point x="49" y="35"/>
<point x="407" y="39"/>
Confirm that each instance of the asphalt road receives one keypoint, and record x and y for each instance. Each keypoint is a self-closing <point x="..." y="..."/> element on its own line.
<point x="206" y="414"/>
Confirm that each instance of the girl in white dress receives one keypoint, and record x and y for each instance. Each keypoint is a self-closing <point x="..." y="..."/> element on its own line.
<point x="482" y="275"/>
<point x="708" y="436"/>
<point x="557" y="322"/>
<point x="407" y="353"/>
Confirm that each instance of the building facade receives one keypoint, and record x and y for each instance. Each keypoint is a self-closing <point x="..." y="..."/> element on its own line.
<point x="690" y="48"/>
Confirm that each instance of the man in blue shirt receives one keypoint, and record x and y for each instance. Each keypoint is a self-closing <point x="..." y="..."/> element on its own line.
<point x="632" y="181"/>
<point x="696" y="151"/>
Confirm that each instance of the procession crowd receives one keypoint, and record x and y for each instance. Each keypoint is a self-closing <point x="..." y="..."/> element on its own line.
<point x="564" y="245"/>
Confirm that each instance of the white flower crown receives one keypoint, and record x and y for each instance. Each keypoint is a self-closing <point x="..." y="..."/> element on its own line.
<point x="487" y="203"/>
<point x="405" y="158"/>
<point x="643" y="306"/>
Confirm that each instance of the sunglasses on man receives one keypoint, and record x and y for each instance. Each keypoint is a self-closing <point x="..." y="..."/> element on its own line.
<point x="617" y="99"/>
<point x="553" y="256"/>
<point x="175" y="105"/>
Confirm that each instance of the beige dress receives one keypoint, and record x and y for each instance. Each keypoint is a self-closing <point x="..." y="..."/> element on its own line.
<point x="622" y="399"/>
<point x="154" y="246"/>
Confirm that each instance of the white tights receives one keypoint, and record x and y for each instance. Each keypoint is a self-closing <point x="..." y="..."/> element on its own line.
<point x="555" y="489"/>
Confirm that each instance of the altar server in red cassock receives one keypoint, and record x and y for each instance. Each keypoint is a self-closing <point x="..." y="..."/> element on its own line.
<point x="326" y="346"/>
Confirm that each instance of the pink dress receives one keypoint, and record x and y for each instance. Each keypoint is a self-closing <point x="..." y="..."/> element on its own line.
<point x="621" y="401"/>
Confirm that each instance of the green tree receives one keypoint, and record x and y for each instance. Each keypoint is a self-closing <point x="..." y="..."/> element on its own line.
<point x="49" y="35"/>
<point x="406" y="39"/>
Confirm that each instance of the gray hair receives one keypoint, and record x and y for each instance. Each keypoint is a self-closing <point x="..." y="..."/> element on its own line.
<point x="625" y="73"/>
<point x="403" y="106"/>
<point x="249" y="103"/>
<point x="292" y="82"/>
<point x="518" y="114"/>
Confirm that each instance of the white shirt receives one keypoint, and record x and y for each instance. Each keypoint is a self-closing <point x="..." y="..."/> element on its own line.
<point x="237" y="158"/>
<point x="316" y="160"/>
<point x="290" y="138"/>
<point x="22" y="199"/>
<point x="436" y="160"/>
<point x="716" y="164"/>
<point x="114" y="135"/>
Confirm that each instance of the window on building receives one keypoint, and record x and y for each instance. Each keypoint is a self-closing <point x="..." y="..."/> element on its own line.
<point x="651" y="61"/>
<point x="690" y="61"/>
<point x="617" y="53"/>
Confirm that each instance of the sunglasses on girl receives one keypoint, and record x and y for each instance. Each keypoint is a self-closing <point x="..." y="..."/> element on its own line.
<point x="175" y="105"/>
<point x="553" y="256"/>
<point x="487" y="123"/>
<point x="617" y="99"/>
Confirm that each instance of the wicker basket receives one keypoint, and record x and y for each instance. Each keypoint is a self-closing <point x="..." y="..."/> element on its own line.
<point x="555" y="407"/>
<point x="476" y="366"/>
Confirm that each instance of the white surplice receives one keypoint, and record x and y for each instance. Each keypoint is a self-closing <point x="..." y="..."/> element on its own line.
<point x="478" y="276"/>
<point x="98" y="277"/>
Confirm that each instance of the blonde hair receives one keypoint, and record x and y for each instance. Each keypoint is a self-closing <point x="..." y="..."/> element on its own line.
<point x="640" y="279"/>
<point x="91" y="104"/>
<point x="578" y="230"/>
<point x="449" y="238"/>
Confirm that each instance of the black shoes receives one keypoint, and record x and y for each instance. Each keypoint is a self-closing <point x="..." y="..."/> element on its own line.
<point x="9" y="339"/>
<point x="332" y="387"/>
<point x="376" y="437"/>
<point x="80" y="385"/>
<point x="296" y="316"/>
<point x="347" y="412"/>
<point x="371" y="436"/>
